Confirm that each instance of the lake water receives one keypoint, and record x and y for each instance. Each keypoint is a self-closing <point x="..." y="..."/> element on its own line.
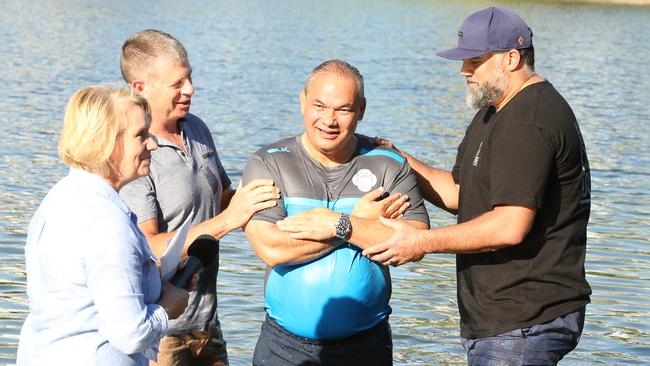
<point x="250" y="59"/>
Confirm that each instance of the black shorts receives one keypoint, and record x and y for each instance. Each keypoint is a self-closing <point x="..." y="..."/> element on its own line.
<point x="278" y="347"/>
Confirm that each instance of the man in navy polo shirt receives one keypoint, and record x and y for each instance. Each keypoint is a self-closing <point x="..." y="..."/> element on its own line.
<point x="521" y="188"/>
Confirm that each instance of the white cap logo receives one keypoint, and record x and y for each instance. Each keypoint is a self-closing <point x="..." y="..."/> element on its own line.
<point x="364" y="180"/>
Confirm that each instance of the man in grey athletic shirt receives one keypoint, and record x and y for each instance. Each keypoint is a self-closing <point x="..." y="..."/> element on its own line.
<point x="326" y="303"/>
<point x="186" y="179"/>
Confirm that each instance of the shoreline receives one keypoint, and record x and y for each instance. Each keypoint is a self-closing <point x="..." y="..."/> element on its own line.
<point x="604" y="2"/>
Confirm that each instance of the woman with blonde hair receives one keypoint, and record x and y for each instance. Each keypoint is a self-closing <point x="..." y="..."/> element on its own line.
<point x="93" y="285"/>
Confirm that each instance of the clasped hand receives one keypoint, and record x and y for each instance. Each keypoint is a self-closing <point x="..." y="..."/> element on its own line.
<point x="403" y="246"/>
<point x="320" y="223"/>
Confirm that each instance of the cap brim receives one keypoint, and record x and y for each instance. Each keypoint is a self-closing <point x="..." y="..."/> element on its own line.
<point x="458" y="53"/>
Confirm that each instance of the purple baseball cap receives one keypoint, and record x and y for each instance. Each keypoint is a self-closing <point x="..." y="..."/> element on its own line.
<point x="487" y="30"/>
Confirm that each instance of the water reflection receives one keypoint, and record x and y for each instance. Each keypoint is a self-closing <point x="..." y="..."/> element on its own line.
<point x="249" y="59"/>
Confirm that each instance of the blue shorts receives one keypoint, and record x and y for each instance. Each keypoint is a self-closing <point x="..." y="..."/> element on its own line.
<point x="278" y="347"/>
<point x="541" y="344"/>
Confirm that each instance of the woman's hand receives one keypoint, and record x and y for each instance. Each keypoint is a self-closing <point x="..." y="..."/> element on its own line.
<point x="173" y="300"/>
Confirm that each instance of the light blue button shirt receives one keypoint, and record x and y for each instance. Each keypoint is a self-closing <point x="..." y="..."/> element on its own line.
<point x="92" y="281"/>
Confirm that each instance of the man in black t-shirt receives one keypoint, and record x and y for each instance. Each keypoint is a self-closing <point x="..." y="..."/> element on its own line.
<point x="521" y="188"/>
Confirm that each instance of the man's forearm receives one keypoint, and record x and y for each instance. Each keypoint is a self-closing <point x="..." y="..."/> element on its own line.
<point x="226" y="196"/>
<point x="276" y="247"/>
<point x="217" y="226"/>
<point x="499" y="228"/>
<point x="366" y="233"/>
<point x="319" y="224"/>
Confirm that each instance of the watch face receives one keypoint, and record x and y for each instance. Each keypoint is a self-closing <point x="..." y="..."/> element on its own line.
<point x="343" y="226"/>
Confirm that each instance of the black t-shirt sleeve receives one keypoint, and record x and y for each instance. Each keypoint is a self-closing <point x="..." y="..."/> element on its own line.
<point x="521" y="160"/>
<point x="256" y="168"/>
<point x="455" y="172"/>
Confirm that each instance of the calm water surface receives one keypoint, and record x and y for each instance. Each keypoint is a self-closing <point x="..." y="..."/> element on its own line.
<point x="249" y="60"/>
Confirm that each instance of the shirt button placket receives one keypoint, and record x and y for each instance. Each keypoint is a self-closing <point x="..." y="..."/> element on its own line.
<point x="185" y="158"/>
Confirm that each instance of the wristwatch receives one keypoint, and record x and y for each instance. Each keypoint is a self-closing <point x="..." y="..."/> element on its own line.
<point x="343" y="227"/>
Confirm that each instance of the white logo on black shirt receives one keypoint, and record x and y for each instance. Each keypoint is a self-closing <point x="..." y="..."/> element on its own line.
<point x="476" y="157"/>
<point x="364" y="180"/>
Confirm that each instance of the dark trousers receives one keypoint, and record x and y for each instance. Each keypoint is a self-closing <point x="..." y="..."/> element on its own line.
<point x="278" y="347"/>
<point x="541" y="344"/>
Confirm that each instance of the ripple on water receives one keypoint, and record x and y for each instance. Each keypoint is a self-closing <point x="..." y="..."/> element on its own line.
<point x="249" y="61"/>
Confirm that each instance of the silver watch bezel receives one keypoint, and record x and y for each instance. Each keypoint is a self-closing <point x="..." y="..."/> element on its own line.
<point x="343" y="226"/>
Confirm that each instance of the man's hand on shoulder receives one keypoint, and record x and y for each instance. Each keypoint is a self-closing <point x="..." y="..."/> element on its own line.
<point x="389" y="144"/>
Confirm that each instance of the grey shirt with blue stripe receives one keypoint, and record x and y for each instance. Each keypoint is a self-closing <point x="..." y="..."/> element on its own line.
<point x="343" y="292"/>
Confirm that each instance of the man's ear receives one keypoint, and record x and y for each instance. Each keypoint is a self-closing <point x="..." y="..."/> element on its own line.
<point x="303" y="101"/>
<point x="362" y="108"/>
<point x="512" y="60"/>
<point x="137" y="86"/>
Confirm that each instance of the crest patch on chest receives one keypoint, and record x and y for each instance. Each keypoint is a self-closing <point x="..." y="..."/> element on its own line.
<point x="364" y="180"/>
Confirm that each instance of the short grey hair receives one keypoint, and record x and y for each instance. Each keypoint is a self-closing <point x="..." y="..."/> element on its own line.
<point x="340" y="68"/>
<point x="141" y="49"/>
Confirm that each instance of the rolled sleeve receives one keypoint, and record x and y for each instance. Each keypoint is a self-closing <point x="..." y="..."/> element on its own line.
<point x="158" y="319"/>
